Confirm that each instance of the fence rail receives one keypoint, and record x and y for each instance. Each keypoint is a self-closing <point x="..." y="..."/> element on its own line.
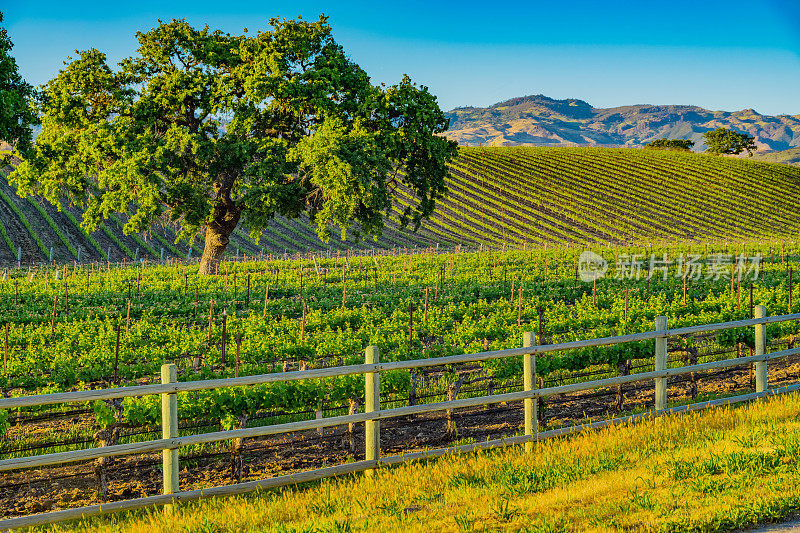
<point x="144" y="390"/>
<point x="171" y="443"/>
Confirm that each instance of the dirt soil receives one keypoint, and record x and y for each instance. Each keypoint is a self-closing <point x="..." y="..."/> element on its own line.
<point x="74" y="485"/>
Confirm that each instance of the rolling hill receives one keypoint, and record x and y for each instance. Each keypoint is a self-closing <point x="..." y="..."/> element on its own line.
<point x="497" y="196"/>
<point x="787" y="157"/>
<point x="539" y="120"/>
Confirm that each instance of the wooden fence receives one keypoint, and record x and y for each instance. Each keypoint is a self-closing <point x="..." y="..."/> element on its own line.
<point x="172" y="442"/>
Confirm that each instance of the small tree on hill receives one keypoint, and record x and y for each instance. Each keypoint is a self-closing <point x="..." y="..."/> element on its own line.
<point x="216" y="128"/>
<point x="726" y="141"/>
<point x="671" y="144"/>
<point x="16" y="115"/>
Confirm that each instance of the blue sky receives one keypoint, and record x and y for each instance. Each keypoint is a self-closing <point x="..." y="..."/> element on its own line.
<point x="718" y="55"/>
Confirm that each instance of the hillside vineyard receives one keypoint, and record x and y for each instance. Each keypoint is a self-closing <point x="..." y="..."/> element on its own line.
<point x="497" y="197"/>
<point x="510" y="238"/>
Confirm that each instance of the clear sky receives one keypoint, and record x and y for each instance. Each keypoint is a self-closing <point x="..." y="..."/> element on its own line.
<point x="720" y="55"/>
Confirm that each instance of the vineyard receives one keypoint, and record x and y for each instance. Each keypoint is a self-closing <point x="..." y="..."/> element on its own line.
<point x="247" y="285"/>
<point x="82" y="327"/>
<point x="497" y="197"/>
<point x="500" y="257"/>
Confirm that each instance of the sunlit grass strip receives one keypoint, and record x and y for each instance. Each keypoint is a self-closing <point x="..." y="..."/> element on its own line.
<point x="168" y="245"/>
<point x="506" y="196"/>
<point x="138" y="239"/>
<point x="54" y="227"/>
<point x="237" y="250"/>
<point x="267" y="237"/>
<point x="467" y="233"/>
<point x="8" y="240"/>
<point x="110" y="234"/>
<point x="249" y="240"/>
<point x="89" y="238"/>
<point x="25" y="222"/>
<point x="332" y="243"/>
<point x="284" y="234"/>
<point x="712" y="470"/>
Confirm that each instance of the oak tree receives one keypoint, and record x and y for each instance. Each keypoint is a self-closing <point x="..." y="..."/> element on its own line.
<point x="683" y="145"/>
<point x="726" y="141"/>
<point x="16" y="115"/>
<point x="215" y="129"/>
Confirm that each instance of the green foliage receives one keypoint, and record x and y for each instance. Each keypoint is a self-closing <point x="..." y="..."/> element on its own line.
<point x="671" y="144"/>
<point x="304" y="132"/>
<point x="16" y="115"/>
<point x="103" y="413"/>
<point x="4" y="423"/>
<point x="469" y="312"/>
<point x="726" y="141"/>
<point x="168" y="245"/>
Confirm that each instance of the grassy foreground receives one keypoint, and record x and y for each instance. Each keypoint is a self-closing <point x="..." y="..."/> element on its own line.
<point x="704" y="471"/>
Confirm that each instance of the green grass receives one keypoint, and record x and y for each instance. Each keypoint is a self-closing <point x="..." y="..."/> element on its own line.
<point x="711" y="470"/>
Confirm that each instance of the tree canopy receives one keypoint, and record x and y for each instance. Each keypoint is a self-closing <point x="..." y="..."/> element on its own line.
<point x="213" y="128"/>
<point x="16" y="115"/>
<point x="726" y="141"/>
<point x="671" y="144"/>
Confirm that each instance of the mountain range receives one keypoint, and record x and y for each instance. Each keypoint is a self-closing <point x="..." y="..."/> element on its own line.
<point x="543" y="121"/>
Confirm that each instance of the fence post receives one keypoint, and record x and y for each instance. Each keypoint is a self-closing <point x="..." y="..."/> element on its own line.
<point x="169" y="424"/>
<point x="760" y="349"/>
<point x="373" y="403"/>
<point x="661" y="364"/>
<point x="529" y="383"/>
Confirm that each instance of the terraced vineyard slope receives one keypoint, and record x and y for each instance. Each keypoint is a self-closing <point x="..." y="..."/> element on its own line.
<point x="497" y="196"/>
<point x="579" y="195"/>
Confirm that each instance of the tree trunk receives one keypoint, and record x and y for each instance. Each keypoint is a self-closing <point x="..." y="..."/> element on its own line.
<point x="218" y="232"/>
<point x="214" y="249"/>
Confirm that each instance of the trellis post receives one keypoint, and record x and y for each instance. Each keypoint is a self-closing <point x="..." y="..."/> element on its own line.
<point x="760" y="349"/>
<point x="169" y="424"/>
<point x="661" y="364"/>
<point x="529" y="383"/>
<point x="372" y="404"/>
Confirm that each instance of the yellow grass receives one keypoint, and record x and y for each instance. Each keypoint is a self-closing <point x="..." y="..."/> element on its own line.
<point x="702" y="471"/>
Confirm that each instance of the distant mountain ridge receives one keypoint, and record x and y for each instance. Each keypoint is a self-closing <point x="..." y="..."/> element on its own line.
<point x="543" y="121"/>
